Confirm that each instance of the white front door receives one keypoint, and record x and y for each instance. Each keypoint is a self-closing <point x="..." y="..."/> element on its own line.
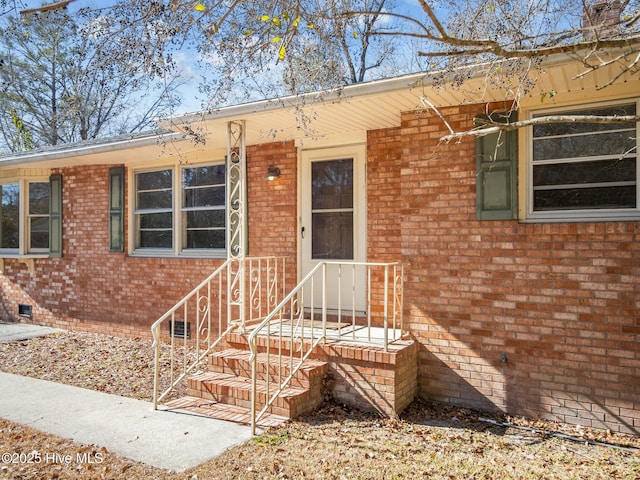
<point x="333" y="222"/>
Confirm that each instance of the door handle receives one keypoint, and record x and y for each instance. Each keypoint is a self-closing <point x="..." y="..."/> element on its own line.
<point x="302" y="232"/>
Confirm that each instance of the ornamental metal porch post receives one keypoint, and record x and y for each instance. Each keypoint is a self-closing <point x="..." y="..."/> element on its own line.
<point x="236" y="222"/>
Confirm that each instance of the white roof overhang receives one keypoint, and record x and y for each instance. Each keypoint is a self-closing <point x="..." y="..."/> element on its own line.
<point x="340" y="114"/>
<point x="353" y="110"/>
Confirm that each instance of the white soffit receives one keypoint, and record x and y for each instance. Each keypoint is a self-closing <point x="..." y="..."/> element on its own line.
<point x="325" y="116"/>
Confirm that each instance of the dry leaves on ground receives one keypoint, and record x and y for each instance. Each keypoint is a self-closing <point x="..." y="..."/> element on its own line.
<point x="429" y="440"/>
<point x="119" y="366"/>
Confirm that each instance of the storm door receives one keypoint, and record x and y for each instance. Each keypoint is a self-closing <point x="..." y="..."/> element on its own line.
<point x="334" y="222"/>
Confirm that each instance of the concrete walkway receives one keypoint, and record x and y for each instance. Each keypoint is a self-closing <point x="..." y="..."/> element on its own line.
<point x="15" y="332"/>
<point x="126" y="427"/>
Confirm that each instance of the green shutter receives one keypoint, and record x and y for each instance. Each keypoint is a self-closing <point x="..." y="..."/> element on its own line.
<point x="497" y="176"/>
<point x="55" y="216"/>
<point x="116" y="209"/>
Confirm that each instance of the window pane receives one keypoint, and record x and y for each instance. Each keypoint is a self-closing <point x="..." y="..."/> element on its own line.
<point x="201" y="176"/>
<point x="552" y="129"/>
<point x="10" y="212"/>
<point x="204" y="197"/>
<point x="39" y="233"/>
<point x="614" y="143"/>
<point x="206" y="219"/>
<point x="585" y="198"/>
<point x="206" y="239"/>
<point x="155" y="230"/>
<point x="154" y="190"/>
<point x="585" y="172"/>
<point x="332" y="184"/>
<point x="205" y="229"/>
<point x="160" y="180"/>
<point x="39" y="198"/>
<point x="156" y="220"/>
<point x="332" y="236"/>
<point x="155" y="239"/>
<point x="153" y="200"/>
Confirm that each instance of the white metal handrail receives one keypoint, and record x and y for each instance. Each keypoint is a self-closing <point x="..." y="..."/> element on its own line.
<point x="292" y="330"/>
<point x="216" y="307"/>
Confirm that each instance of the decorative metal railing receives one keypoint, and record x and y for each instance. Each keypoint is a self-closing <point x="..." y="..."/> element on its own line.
<point x="214" y="308"/>
<point x="311" y="314"/>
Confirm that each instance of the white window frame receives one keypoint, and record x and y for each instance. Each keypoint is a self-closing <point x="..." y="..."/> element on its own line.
<point x="24" y="236"/>
<point x="177" y="211"/>
<point x="584" y="215"/>
<point x="28" y="216"/>
<point x="185" y="210"/>
<point x="15" y="252"/>
<point x="136" y="212"/>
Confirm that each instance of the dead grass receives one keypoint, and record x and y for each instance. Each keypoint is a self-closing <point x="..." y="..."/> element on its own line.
<point x="429" y="441"/>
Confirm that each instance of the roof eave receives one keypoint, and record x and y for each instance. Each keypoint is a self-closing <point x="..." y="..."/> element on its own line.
<point x="82" y="150"/>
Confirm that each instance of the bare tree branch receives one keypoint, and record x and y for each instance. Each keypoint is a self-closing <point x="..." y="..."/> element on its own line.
<point x="47" y="8"/>
<point x="496" y="127"/>
<point x="425" y="101"/>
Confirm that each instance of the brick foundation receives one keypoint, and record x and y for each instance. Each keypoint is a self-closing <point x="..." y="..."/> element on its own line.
<point x="370" y="378"/>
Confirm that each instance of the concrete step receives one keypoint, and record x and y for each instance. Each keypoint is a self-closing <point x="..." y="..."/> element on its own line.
<point x="234" y="390"/>
<point x="237" y="362"/>
<point x="222" y="411"/>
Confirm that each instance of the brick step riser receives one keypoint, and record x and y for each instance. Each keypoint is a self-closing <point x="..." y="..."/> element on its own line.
<point x="289" y="407"/>
<point x="285" y="348"/>
<point x="304" y="378"/>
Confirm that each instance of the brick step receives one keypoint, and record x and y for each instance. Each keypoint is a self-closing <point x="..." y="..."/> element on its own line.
<point x="237" y="362"/>
<point x="234" y="390"/>
<point x="272" y="343"/>
<point x="223" y="411"/>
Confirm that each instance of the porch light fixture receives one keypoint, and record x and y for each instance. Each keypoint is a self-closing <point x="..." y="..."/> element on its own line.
<point x="272" y="172"/>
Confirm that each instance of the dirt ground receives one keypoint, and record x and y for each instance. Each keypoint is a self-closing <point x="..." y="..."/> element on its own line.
<point x="429" y="440"/>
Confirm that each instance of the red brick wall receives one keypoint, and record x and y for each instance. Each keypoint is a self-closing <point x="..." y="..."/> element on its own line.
<point x="273" y="204"/>
<point x="92" y="289"/>
<point x="559" y="303"/>
<point x="384" y="201"/>
<point x="272" y="207"/>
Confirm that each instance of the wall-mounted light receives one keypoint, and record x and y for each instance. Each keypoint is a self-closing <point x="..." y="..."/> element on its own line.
<point x="272" y="172"/>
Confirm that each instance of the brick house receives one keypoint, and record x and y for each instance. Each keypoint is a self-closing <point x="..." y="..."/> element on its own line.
<point x="521" y="256"/>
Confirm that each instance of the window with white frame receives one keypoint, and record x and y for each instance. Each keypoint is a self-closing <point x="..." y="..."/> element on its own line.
<point x="203" y="207"/>
<point x="25" y="218"/>
<point x="181" y="209"/>
<point x="10" y="217"/>
<point x="154" y="209"/>
<point x="38" y="216"/>
<point x="585" y="170"/>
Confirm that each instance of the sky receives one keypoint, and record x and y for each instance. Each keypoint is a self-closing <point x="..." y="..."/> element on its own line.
<point x="192" y="100"/>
